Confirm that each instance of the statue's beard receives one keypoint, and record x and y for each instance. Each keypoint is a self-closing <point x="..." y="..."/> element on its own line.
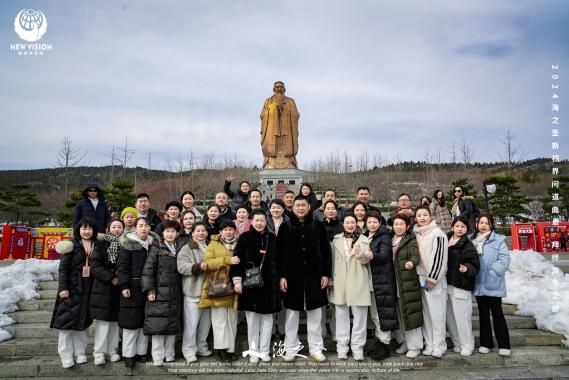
<point x="280" y="100"/>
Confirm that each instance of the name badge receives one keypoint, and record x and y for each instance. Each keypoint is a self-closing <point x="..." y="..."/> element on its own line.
<point x="86" y="271"/>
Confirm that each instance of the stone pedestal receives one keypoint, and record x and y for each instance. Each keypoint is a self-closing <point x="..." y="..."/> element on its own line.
<point x="274" y="182"/>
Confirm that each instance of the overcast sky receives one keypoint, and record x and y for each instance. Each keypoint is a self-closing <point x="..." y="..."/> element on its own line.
<point x="391" y="77"/>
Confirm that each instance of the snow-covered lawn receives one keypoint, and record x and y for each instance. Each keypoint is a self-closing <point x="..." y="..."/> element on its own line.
<point x="19" y="282"/>
<point x="535" y="285"/>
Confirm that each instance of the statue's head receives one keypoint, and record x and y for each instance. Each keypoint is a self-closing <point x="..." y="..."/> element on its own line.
<point x="279" y="87"/>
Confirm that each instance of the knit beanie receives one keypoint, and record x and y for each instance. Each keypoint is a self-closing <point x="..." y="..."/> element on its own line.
<point x="129" y="210"/>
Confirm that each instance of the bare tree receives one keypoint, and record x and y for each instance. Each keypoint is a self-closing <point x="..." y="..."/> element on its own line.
<point x="513" y="153"/>
<point x="68" y="157"/>
<point x="113" y="158"/>
<point x="453" y="154"/>
<point x="466" y="153"/>
<point x="428" y="160"/>
<point x="125" y="156"/>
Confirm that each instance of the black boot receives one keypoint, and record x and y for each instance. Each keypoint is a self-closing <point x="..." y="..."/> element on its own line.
<point x="231" y="356"/>
<point x="222" y="355"/>
<point x="380" y="351"/>
<point x="129" y="362"/>
<point x="141" y="358"/>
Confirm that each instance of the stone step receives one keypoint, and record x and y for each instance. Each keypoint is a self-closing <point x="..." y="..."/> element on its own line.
<point x="46" y="304"/>
<point x="524" y="357"/>
<point x="34" y="316"/>
<point x="37" y="330"/>
<point x="48" y="285"/>
<point x="507" y="309"/>
<point x="46" y="294"/>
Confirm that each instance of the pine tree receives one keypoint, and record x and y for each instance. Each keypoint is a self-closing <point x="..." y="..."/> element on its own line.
<point x="121" y="195"/>
<point x="507" y="204"/>
<point x="20" y="203"/>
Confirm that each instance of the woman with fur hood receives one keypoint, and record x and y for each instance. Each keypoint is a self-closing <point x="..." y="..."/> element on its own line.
<point x="71" y="312"/>
<point x="135" y="248"/>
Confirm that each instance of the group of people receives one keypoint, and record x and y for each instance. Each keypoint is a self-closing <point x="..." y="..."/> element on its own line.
<point x="413" y="275"/>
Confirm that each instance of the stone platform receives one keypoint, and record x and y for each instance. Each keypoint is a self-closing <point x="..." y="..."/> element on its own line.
<point x="276" y="181"/>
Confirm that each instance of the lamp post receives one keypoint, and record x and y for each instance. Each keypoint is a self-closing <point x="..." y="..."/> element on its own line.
<point x="489" y="188"/>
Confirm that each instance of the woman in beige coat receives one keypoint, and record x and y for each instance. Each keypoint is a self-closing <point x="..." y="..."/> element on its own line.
<point x="351" y="289"/>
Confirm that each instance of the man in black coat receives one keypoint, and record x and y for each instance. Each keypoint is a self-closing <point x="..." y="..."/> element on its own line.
<point x="143" y="207"/>
<point x="94" y="206"/>
<point x="304" y="270"/>
<point x="222" y="201"/>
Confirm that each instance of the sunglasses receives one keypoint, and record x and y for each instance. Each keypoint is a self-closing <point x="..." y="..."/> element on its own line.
<point x="458" y="191"/>
<point x="92" y="190"/>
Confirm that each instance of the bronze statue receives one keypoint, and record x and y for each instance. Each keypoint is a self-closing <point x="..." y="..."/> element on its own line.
<point x="279" y="130"/>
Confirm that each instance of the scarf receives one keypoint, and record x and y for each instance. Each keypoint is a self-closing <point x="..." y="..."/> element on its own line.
<point x="424" y="230"/>
<point x="229" y="244"/>
<point x="454" y="211"/>
<point x="354" y="235"/>
<point x="114" y="247"/>
<point x="144" y="243"/>
<point x="395" y="243"/>
<point x="479" y="240"/>
<point x="202" y="244"/>
<point x="171" y="248"/>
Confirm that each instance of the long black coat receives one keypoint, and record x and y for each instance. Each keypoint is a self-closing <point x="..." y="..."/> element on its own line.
<point x="463" y="252"/>
<point x="101" y="214"/>
<point x="333" y="227"/>
<point x="105" y="297"/>
<point x="265" y="300"/>
<point x="307" y="258"/>
<point x="383" y="279"/>
<point x="160" y="275"/>
<point x="131" y="261"/>
<point x="72" y="313"/>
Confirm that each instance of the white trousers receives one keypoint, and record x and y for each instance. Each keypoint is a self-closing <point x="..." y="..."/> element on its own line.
<point x="383" y="336"/>
<point x="106" y="337"/>
<point x="134" y="342"/>
<point x="459" y="318"/>
<point x="313" y="327"/>
<point x="413" y="338"/>
<point x="224" y="324"/>
<point x="163" y="346"/>
<point x="259" y="328"/>
<point x="359" y="328"/>
<point x="434" y="316"/>
<point x="197" y="323"/>
<point x="71" y="343"/>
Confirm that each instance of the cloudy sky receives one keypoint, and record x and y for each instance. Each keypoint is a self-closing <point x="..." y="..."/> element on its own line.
<point x="395" y="78"/>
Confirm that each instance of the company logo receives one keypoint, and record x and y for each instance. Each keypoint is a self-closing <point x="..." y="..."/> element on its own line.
<point x="30" y="24"/>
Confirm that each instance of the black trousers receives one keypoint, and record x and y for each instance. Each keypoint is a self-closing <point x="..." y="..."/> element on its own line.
<point x="485" y="306"/>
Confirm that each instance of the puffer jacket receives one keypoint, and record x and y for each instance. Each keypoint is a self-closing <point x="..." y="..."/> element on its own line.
<point x="464" y="253"/>
<point x="409" y="287"/>
<point x="494" y="262"/>
<point x="105" y="297"/>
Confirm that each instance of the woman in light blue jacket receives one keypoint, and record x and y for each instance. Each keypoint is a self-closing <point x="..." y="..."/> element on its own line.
<point x="490" y="284"/>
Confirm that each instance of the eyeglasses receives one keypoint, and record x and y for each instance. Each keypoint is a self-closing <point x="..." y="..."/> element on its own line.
<point x="458" y="191"/>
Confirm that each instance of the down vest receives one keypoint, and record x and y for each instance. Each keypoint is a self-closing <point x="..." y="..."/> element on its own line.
<point x="131" y="261"/>
<point x="408" y="284"/>
<point x="72" y="313"/>
<point x="160" y="276"/>
<point x="383" y="279"/>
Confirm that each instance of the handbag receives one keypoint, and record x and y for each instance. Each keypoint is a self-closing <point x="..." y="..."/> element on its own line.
<point x="219" y="287"/>
<point x="253" y="274"/>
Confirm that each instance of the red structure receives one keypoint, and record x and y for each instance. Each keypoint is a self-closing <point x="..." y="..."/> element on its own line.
<point x="523" y="236"/>
<point x="548" y="235"/>
<point x="16" y="243"/>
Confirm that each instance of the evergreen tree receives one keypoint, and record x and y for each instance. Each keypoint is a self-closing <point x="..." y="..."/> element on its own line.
<point x="562" y="204"/>
<point x="121" y="195"/>
<point x="507" y="203"/>
<point x="21" y="204"/>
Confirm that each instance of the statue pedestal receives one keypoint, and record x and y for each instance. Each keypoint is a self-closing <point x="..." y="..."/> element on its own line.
<point x="275" y="182"/>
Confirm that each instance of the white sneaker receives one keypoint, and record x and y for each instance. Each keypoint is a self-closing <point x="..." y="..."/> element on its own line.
<point x="504" y="352"/>
<point x="456" y="349"/>
<point x="359" y="357"/>
<point x="412" y="354"/>
<point x="318" y="356"/>
<point x="427" y="352"/>
<point x="99" y="358"/>
<point x="205" y="353"/>
<point x="170" y="359"/>
<point x="289" y="358"/>
<point x="465" y="352"/>
<point x="82" y="359"/>
<point x="253" y="359"/>
<point x="192" y="359"/>
<point x="115" y="358"/>
<point x="342" y="355"/>
<point x="158" y="363"/>
<point x="438" y="354"/>
<point x="483" y="350"/>
<point x="401" y="349"/>
<point x="266" y="358"/>
<point x="67" y="363"/>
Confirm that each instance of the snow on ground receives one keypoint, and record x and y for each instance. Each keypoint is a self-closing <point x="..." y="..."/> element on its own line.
<point x="18" y="282"/>
<point x="536" y="285"/>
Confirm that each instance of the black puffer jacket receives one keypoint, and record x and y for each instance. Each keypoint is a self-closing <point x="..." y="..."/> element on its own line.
<point x="84" y="209"/>
<point x="160" y="276"/>
<point x="238" y="198"/>
<point x="105" y="297"/>
<point x="129" y="267"/>
<point x="383" y="279"/>
<point x="265" y="300"/>
<point x="72" y="313"/>
<point x="306" y="259"/>
<point x="463" y="252"/>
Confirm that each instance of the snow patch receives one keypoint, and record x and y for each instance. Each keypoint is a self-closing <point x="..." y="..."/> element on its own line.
<point x="535" y="285"/>
<point x="18" y="282"/>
